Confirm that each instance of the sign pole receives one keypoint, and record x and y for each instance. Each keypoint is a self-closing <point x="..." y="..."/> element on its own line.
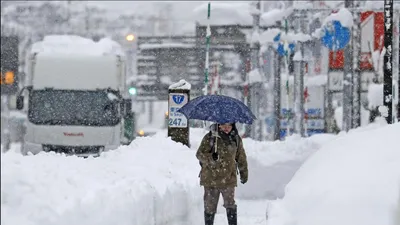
<point x="178" y="124"/>
<point x="387" y="62"/>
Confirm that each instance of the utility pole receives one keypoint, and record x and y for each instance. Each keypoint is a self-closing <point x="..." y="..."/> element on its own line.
<point x="269" y="71"/>
<point x="387" y="62"/>
<point x="253" y="101"/>
<point x="396" y="67"/>
<point x="299" y="81"/>
<point x="277" y="93"/>
<point x="348" y="80"/>
<point x="356" y="39"/>
<point x="69" y="17"/>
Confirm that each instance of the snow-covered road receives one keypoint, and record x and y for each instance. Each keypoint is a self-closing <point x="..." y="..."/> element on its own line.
<point x="250" y="212"/>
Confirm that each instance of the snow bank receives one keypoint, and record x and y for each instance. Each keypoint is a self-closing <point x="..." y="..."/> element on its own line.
<point x="152" y="181"/>
<point x="72" y="44"/>
<point x="354" y="180"/>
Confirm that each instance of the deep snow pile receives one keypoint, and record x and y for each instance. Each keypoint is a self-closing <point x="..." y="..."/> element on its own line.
<point x="354" y="180"/>
<point x="148" y="182"/>
<point x="153" y="181"/>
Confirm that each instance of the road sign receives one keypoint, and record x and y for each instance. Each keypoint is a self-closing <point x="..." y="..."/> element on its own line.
<point x="335" y="36"/>
<point x="372" y="32"/>
<point x="176" y="101"/>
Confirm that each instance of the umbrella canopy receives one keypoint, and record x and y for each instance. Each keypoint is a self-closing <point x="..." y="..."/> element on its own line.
<point x="218" y="108"/>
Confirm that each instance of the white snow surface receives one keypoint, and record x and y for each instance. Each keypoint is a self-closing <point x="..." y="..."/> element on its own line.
<point x="297" y="56"/>
<point x="269" y="35"/>
<point x="152" y="181"/>
<point x="73" y="44"/>
<point x="255" y="76"/>
<point x="344" y="16"/>
<point x="181" y="84"/>
<point x="353" y="180"/>
<point x="131" y="185"/>
<point x="274" y="15"/>
<point x="375" y="95"/>
<point x="338" y="115"/>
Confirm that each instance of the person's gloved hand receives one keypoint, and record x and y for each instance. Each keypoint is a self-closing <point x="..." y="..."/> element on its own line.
<point x="243" y="180"/>
<point x="215" y="156"/>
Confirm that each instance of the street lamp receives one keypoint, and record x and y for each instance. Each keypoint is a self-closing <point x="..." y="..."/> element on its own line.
<point x="130" y="37"/>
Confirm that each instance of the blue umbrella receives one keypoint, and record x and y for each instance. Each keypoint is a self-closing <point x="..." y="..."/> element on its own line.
<point x="218" y="108"/>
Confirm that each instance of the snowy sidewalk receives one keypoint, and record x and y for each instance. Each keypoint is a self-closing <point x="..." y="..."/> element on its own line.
<point x="250" y="212"/>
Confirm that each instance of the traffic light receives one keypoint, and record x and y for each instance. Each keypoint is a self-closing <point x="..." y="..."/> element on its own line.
<point x="9" y="65"/>
<point x="132" y="91"/>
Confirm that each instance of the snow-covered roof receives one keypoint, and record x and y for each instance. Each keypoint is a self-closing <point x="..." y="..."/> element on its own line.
<point x="73" y="44"/>
<point x="224" y="14"/>
<point x="271" y="17"/>
<point x="269" y="35"/>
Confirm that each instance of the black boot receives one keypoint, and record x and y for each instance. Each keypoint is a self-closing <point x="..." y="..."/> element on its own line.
<point x="232" y="216"/>
<point x="209" y="218"/>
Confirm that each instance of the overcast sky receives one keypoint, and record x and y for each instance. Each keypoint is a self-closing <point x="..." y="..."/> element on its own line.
<point x="181" y="9"/>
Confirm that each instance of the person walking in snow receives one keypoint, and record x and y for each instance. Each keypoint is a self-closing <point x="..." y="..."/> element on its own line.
<point x="221" y="154"/>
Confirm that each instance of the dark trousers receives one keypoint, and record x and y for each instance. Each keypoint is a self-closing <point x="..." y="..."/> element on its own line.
<point x="211" y="198"/>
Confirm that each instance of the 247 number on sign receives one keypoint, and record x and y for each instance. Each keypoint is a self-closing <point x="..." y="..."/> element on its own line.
<point x="175" y="122"/>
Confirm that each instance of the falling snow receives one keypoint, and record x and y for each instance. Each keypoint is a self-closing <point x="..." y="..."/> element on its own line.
<point x="87" y="140"/>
